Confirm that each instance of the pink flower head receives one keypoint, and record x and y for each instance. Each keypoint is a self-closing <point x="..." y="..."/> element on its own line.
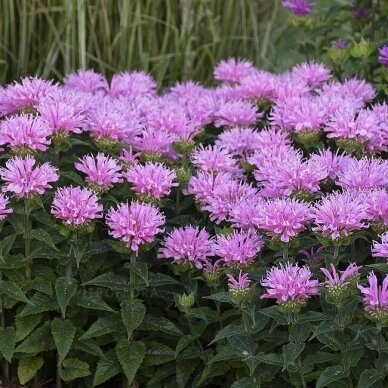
<point x="135" y="224"/>
<point x="289" y="284"/>
<point x="187" y="90"/>
<point x="236" y="113"/>
<point x="364" y="174"/>
<point x="232" y="70"/>
<point x="377" y="205"/>
<point x="151" y="180"/>
<point x="379" y="141"/>
<point x="272" y="138"/>
<point x="283" y="219"/>
<point x="239" y="285"/>
<point x="383" y="55"/>
<point x="381" y="249"/>
<point x="25" y="134"/>
<point x="187" y="245"/>
<point x="128" y="157"/>
<point x="101" y="171"/>
<point x="244" y="214"/>
<point x="4" y="210"/>
<point x="288" y="86"/>
<point x="376" y="298"/>
<point x="312" y="73"/>
<point x="24" y="95"/>
<point x="315" y="256"/>
<point x="24" y="180"/>
<point x="258" y="85"/>
<point x="359" y="89"/>
<point x="76" y="206"/>
<point x="215" y="159"/>
<point x="339" y="279"/>
<point x="132" y="84"/>
<point x="86" y="81"/>
<point x="238" y="249"/>
<point x="339" y="214"/>
<point x="299" y="7"/>
<point x="333" y="163"/>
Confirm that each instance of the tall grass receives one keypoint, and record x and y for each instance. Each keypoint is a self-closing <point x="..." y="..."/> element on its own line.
<point x="172" y="39"/>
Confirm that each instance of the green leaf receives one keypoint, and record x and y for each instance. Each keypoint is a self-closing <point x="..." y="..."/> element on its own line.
<point x="72" y="176"/>
<point x="183" y="343"/>
<point x="320" y="357"/>
<point x="106" y="369"/>
<point x="132" y="315"/>
<point x="73" y="368"/>
<point x="274" y="313"/>
<point x="103" y="326"/>
<point x="5" y="246"/>
<point x="65" y="289"/>
<point x="88" y="346"/>
<point x="13" y="262"/>
<point x="28" y="367"/>
<point x="157" y="279"/>
<point x="141" y="270"/>
<point x="184" y="370"/>
<point x="246" y="382"/>
<point x="93" y="301"/>
<point x="220" y="297"/>
<point x="13" y="291"/>
<point x="40" y="303"/>
<point x="213" y="370"/>
<point x="109" y="280"/>
<point x="227" y="332"/>
<point x="369" y="377"/>
<point x="130" y="356"/>
<point x="39" y="340"/>
<point x="291" y="352"/>
<point x="330" y="374"/>
<point x="151" y="323"/>
<point x="157" y="354"/>
<point x="7" y="342"/>
<point x="63" y="332"/>
<point x="25" y="325"/>
<point x="42" y="235"/>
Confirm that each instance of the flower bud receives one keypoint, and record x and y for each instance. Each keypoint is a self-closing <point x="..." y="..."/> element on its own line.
<point x="363" y="49"/>
<point x="185" y="302"/>
<point x="308" y="139"/>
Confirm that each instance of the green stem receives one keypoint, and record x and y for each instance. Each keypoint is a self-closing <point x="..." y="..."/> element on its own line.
<point x="27" y="237"/>
<point x="132" y="278"/>
<point x="248" y="330"/>
<point x="294" y="337"/>
<point x="2" y="324"/>
<point x="336" y="252"/>
<point x="380" y="345"/>
<point x="285" y="252"/>
<point x="178" y="200"/>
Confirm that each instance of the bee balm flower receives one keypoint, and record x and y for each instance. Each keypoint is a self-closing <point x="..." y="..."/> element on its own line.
<point x="4" y="210"/>
<point x="381" y="249"/>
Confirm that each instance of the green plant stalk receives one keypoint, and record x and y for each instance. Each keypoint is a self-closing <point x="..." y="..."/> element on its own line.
<point x="248" y="330"/>
<point x="2" y="324"/>
<point x="132" y="278"/>
<point x="336" y="252"/>
<point x="27" y="238"/>
<point x="285" y="252"/>
<point x="380" y="345"/>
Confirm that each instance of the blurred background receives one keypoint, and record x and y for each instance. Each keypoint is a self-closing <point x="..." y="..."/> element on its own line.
<point x="171" y="39"/>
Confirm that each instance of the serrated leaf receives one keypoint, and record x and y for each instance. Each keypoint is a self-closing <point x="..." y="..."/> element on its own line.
<point x="13" y="291"/>
<point x="141" y="270"/>
<point x="369" y="377"/>
<point x="152" y="323"/>
<point x="331" y="374"/>
<point x="65" y="289"/>
<point x="157" y="279"/>
<point x="13" y="262"/>
<point x="63" y="332"/>
<point x="220" y="297"/>
<point x="42" y="235"/>
<point x="103" y="326"/>
<point x="42" y="284"/>
<point x="274" y="313"/>
<point x="28" y="367"/>
<point x="132" y="314"/>
<point x="39" y="340"/>
<point x="157" y="354"/>
<point x="40" y="303"/>
<point x="183" y="343"/>
<point x="106" y="369"/>
<point x="7" y="342"/>
<point x="5" y="246"/>
<point x="73" y="368"/>
<point x="93" y="301"/>
<point x="246" y="382"/>
<point x="25" y="325"/>
<point x="109" y="280"/>
<point x="184" y="370"/>
<point x="130" y="356"/>
<point x="319" y="357"/>
<point x="213" y="370"/>
<point x="291" y="352"/>
<point x="227" y="332"/>
<point x="73" y="176"/>
<point x="88" y="346"/>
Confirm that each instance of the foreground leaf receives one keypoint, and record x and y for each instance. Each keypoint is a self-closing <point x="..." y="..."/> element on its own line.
<point x="63" y="332"/>
<point x="106" y="369"/>
<point x="28" y="367"/>
<point x="65" y="289"/>
<point x="130" y="356"/>
<point x="7" y="342"/>
<point x="333" y="373"/>
<point x="369" y="377"/>
<point x="73" y="368"/>
<point x="132" y="314"/>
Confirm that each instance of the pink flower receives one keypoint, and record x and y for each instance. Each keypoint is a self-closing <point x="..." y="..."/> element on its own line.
<point x="24" y="95"/>
<point x="339" y="215"/>
<point x="232" y="70"/>
<point x="128" y="157"/>
<point x="4" y="210"/>
<point x="244" y="214"/>
<point x="132" y="84"/>
<point x="272" y="138"/>
<point x="363" y="174"/>
<point x="134" y="224"/>
<point x="215" y="159"/>
<point x="187" y="245"/>
<point x="25" y="134"/>
<point x="238" y="249"/>
<point x="236" y="113"/>
<point x="283" y="219"/>
<point x="377" y="205"/>
<point x="102" y="171"/>
<point x="376" y="298"/>
<point x="333" y="163"/>
<point x="298" y="7"/>
<point x="152" y="180"/>
<point x="289" y="284"/>
<point x="381" y="249"/>
<point x="76" y="206"/>
<point x="359" y="89"/>
<point x="86" y="81"/>
<point x="340" y="279"/>
<point x="312" y="73"/>
<point x="258" y="85"/>
<point x="24" y="180"/>
<point x="239" y="285"/>
<point x="379" y="141"/>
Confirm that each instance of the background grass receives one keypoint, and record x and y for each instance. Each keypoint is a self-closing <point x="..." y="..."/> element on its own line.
<point x="172" y="39"/>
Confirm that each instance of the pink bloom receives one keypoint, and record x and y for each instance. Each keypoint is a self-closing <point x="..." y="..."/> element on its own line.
<point x="216" y="160"/>
<point x="24" y="180"/>
<point x="244" y="214"/>
<point x="238" y="249"/>
<point x="314" y="256"/>
<point x="152" y="180"/>
<point x="379" y="141"/>
<point x="333" y="163"/>
<point x="283" y="219"/>
<point x="186" y="90"/>
<point x="76" y="206"/>
<point x="359" y="89"/>
<point x="236" y="113"/>
<point x="337" y="279"/>
<point x="128" y="157"/>
<point x="102" y="171"/>
<point x="86" y="81"/>
<point x="4" y="210"/>
<point x="289" y="283"/>
<point x="132" y="84"/>
<point x="364" y="174"/>
<point x="312" y="73"/>
<point x="377" y="205"/>
<point x="258" y="85"/>
<point x="25" y="133"/>
<point x="298" y="7"/>
<point x="240" y="284"/>
<point x="24" y="95"/>
<point x="288" y="86"/>
<point x="381" y="249"/>
<point x="187" y="245"/>
<point x="383" y="55"/>
<point x="338" y="215"/>
<point x="272" y="138"/>
<point x="232" y="70"/>
<point x="375" y="297"/>
<point x="135" y="224"/>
